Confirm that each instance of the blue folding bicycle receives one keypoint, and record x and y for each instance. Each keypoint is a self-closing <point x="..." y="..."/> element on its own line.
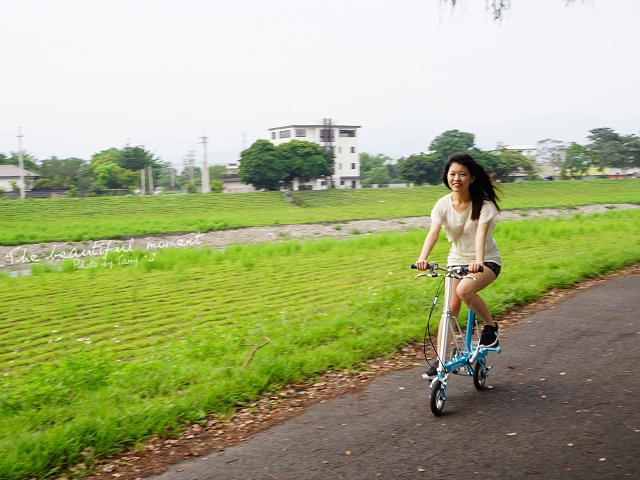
<point x="466" y="355"/>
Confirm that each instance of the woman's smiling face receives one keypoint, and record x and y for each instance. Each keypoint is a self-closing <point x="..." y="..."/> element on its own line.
<point x="459" y="178"/>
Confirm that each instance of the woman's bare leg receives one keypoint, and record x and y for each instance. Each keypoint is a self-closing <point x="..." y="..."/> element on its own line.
<point x="467" y="291"/>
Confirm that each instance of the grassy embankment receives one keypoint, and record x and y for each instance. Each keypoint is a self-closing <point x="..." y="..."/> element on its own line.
<point x="80" y="219"/>
<point x="94" y="360"/>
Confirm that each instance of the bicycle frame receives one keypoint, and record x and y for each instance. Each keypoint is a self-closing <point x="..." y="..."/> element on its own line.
<point x="467" y="356"/>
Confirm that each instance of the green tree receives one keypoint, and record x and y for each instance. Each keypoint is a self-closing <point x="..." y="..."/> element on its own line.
<point x="130" y="160"/>
<point x="577" y="161"/>
<point x="505" y="164"/>
<point x="489" y="161"/>
<point x="394" y="174"/>
<point x="511" y="162"/>
<point x="378" y="175"/>
<point x="262" y="166"/>
<point x="368" y="162"/>
<point x="422" y="168"/>
<point x="632" y="149"/>
<point x="452" y="141"/>
<point x="608" y="149"/>
<point x="217" y="171"/>
<point x="63" y="174"/>
<point x="108" y="175"/>
<point x="137" y="158"/>
<point x="113" y="154"/>
<point x="216" y="186"/>
<point x="303" y="160"/>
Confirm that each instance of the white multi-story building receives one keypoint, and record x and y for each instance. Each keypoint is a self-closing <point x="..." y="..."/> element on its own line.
<point x="341" y="139"/>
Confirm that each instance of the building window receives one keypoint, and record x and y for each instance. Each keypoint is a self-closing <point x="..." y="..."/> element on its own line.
<point x="285" y="133"/>
<point x="301" y="132"/>
<point x="353" y="166"/>
<point x="326" y="135"/>
<point x="273" y="135"/>
<point x="347" y="133"/>
<point x="339" y="166"/>
<point x="339" y="149"/>
<point x="353" y="149"/>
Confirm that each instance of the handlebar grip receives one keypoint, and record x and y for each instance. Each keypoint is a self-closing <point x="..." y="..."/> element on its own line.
<point x="415" y="267"/>
<point x="465" y="270"/>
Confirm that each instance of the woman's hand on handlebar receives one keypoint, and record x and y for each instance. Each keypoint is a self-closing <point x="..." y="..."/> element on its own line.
<point x="422" y="265"/>
<point x="475" y="268"/>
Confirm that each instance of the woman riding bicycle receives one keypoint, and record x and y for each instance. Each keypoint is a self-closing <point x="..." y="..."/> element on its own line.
<point x="468" y="216"/>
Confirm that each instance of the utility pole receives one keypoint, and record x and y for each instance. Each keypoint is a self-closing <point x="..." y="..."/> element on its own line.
<point x="204" y="177"/>
<point x="151" y="187"/>
<point x="21" y="163"/>
<point x="143" y="187"/>
<point x="189" y="161"/>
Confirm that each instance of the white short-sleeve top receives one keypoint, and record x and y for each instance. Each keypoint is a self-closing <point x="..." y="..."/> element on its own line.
<point x="461" y="231"/>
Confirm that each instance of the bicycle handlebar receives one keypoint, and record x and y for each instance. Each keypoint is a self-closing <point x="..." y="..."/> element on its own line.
<point x="462" y="270"/>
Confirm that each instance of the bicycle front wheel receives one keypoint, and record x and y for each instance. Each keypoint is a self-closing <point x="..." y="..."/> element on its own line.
<point x="479" y="375"/>
<point x="437" y="398"/>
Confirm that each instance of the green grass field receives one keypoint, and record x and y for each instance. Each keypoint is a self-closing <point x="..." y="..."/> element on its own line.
<point x="95" y="360"/>
<point x="98" y="218"/>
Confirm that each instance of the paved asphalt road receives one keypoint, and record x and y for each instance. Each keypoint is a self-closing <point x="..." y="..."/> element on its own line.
<point x="564" y="403"/>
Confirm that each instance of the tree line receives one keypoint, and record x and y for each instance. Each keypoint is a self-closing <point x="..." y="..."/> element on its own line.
<point x="269" y="167"/>
<point x="112" y="169"/>
<point x="607" y="149"/>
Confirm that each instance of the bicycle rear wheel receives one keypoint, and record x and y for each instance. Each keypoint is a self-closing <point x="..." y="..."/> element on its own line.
<point x="437" y="398"/>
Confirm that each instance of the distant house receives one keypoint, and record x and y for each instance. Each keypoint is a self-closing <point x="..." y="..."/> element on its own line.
<point x="231" y="180"/>
<point x="10" y="175"/>
<point x="628" y="173"/>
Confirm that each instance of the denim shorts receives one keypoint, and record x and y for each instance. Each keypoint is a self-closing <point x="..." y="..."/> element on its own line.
<point x="494" y="267"/>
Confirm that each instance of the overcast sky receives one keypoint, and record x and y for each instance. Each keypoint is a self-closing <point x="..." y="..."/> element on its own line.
<point x="80" y="76"/>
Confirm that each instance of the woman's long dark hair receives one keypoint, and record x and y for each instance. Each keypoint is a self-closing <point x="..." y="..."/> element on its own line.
<point x="480" y="190"/>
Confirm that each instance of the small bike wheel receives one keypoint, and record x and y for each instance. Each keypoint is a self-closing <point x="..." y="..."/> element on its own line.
<point x="437" y="398"/>
<point x="479" y="375"/>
